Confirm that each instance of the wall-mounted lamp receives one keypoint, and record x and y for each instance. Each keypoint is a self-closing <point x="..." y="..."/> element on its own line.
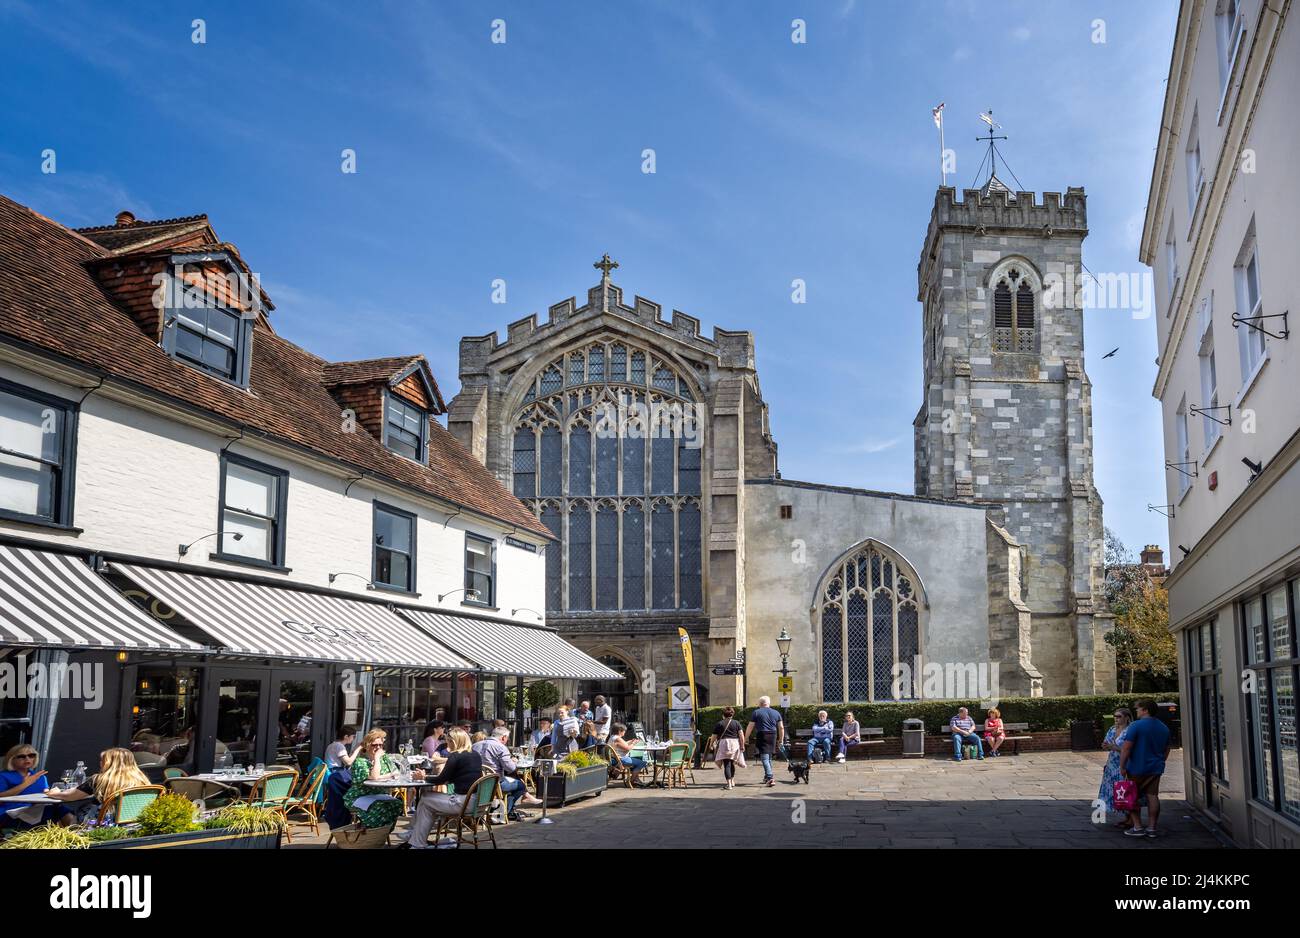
<point x="121" y="657"/>
<point x="1254" y="467"/>
<point x="469" y="594"/>
<point x="369" y="583"/>
<point x="185" y="548"/>
<point x="1184" y="550"/>
<point x="540" y="617"/>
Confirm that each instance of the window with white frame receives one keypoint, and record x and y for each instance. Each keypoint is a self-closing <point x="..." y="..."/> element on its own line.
<point x="1183" y="449"/>
<point x="1229" y="25"/>
<point x="1209" y="389"/>
<point x="1250" y="305"/>
<point x="1194" y="172"/>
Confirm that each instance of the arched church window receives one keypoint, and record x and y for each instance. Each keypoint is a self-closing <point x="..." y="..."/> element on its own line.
<point x="1014" y="316"/>
<point x="869" y="616"/>
<point x="614" y="422"/>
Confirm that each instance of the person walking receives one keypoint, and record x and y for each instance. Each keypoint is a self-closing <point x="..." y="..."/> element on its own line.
<point x="730" y="750"/>
<point x="767" y="730"/>
<point x="1142" y="760"/>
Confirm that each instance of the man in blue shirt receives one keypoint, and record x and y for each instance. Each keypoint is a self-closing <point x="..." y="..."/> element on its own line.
<point x="823" y="731"/>
<point x="1142" y="761"/>
<point x="770" y="730"/>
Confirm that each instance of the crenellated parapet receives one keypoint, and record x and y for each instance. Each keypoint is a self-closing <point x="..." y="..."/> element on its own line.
<point x="480" y="354"/>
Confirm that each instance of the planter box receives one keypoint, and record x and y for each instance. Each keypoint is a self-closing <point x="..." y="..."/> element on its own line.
<point x="219" y="838"/>
<point x="589" y="781"/>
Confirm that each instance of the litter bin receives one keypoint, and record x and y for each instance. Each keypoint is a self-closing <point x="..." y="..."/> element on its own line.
<point x="1167" y="712"/>
<point x="1083" y="735"/>
<point x="913" y="737"/>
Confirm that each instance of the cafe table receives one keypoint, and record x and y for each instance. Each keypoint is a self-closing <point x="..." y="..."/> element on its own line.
<point x="656" y="753"/>
<point x="35" y="798"/>
<point x="243" y="778"/>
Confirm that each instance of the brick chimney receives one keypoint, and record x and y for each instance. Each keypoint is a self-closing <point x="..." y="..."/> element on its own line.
<point x="1153" y="556"/>
<point x="125" y="219"/>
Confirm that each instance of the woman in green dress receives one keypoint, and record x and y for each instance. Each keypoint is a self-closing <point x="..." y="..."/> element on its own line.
<point x="373" y="765"/>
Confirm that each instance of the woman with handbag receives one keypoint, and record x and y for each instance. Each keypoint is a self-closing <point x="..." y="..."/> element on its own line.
<point x="1113" y="743"/>
<point x="731" y="746"/>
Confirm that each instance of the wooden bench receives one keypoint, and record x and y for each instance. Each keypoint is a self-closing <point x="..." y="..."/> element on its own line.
<point x="871" y="736"/>
<point x="1016" y="733"/>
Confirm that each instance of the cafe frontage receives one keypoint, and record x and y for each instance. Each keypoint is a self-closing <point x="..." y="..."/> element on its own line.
<point x="198" y="671"/>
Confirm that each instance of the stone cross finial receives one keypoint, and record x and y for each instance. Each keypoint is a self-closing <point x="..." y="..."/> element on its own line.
<point x="605" y="265"/>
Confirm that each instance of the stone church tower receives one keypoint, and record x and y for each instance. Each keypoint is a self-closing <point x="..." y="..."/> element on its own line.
<point x="1007" y="416"/>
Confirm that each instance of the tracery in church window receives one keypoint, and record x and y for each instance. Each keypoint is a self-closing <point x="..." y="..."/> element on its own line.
<point x="868" y="612"/>
<point x="1014" y="312"/>
<point x="592" y="426"/>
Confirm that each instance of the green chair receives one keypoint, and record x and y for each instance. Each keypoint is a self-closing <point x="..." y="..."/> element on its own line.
<point x="690" y="760"/>
<point x="126" y="805"/>
<point x="274" y="791"/>
<point x="174" y="772"/>
<point x="307" y="800"/>
<point x="475" y="813"/>
<point x="674" y="764"/>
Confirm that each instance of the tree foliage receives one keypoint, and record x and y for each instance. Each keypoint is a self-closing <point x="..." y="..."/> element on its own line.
<point x="1141" y="638"/>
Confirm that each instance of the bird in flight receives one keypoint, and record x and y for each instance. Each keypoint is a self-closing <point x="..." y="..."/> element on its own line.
<point x="1111" y="352"/>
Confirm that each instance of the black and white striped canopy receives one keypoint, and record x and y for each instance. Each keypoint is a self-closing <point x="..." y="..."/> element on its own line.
<point x="510" y="648"/>
<point x="273" y="621"/>
<point x="54" y="599"/>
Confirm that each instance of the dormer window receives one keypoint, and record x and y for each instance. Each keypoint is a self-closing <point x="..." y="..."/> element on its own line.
<point x="406" y="428"/>
<point x="205" y="335"/>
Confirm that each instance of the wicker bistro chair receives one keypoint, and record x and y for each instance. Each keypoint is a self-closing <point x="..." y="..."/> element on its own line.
<point x="618" y="771"/>
<point x="174" y="772"/>
<point x="274" y="790"/>
<point x="306" y="802"/>
<point x="674" y="764"/>
<point x="475" y="813"/>
<point x="126" y="805"/>
<point x="209" y="795"/>
<point x="692" y="745"/>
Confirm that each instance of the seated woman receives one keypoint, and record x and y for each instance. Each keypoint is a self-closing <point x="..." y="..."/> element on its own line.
<point x="995" y="733"/>
<point x="588" y="739"/>
<point x="621" y="749"/>
<point x="464" y="767"/>
<point x="117" y="770"/>
<point x="373" y="765"/>
<point x="21" y="778"/>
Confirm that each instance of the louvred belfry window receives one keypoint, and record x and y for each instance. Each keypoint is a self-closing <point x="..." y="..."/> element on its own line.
<point x="1013" y="313"/>
<point x="601" y="427"/>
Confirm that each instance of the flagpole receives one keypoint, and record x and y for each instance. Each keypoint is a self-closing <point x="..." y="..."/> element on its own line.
<point x="943" y="170"/>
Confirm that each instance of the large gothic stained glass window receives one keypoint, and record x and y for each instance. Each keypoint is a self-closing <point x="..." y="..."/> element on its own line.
<point x="603" y="426"/>
<point x="869" y="617"/>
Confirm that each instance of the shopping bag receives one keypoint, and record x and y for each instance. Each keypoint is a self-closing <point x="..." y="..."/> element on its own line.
<point x="1124" y="795"/>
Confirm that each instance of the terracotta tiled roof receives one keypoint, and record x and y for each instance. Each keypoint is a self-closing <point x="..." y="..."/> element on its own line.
<point x="138" y="234"/>
<point x="49" y="300"/>
<point x="381" y="370"/>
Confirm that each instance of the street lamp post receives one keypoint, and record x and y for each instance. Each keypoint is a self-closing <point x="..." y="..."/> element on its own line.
<point x="783" y="648"/>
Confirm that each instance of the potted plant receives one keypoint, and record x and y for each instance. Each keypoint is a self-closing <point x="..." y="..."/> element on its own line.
<point x="578" y="775"/>
<point x="170" y="821"/>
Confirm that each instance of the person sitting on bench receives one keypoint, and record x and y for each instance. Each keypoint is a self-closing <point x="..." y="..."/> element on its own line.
<point x="823" y="731"/>
<point x="963" y="734"/>
<point x="850" y="735"/>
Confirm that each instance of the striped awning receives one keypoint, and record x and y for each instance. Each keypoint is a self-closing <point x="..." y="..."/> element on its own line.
<point x="53" y="599"/>
<point x="274" y="621"/>
<point x="509" y="648"/>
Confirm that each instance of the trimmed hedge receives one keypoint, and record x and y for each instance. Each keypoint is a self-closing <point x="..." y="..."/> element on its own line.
<point x="1043" y="714"/>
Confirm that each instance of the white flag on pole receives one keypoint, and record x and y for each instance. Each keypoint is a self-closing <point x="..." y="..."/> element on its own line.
<point x="938" y="115"/>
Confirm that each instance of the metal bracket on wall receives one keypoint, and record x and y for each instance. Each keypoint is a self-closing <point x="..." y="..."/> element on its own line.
<point x="1179" y="467"/>
<point x="1161" y="509"/>
<point x="1205" y="412"/>
<point x="1253" y="322"/>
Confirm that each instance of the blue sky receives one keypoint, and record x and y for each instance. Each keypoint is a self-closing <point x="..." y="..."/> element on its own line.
<point x="522" y="161"/>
